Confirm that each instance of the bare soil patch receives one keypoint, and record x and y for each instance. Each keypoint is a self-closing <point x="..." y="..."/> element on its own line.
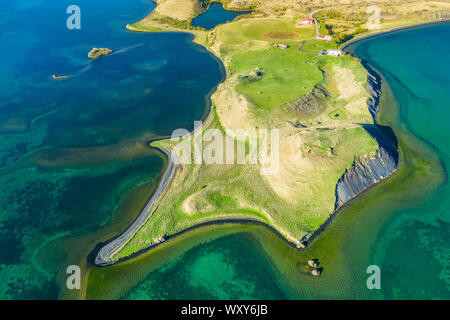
<point x="281" y="35"/>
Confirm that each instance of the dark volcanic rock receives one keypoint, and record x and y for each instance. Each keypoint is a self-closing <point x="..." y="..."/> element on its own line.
<point x="317" y="272"/>
<point x="374" y="87"/>
<point x="364" y="173"/>
<point x="367" y="171"/>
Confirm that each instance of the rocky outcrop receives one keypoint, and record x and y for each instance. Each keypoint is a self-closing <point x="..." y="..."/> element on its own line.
<point x="317" y="272"/>
<point x="374" y="87"/>
<point x="364" y="173"/>
<point x="367" y="171"/>
<point x="312" y="103"/>
<point x="313" y="263"/>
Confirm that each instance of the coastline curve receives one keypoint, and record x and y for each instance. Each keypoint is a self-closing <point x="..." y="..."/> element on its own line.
<point x="364" y="174"/>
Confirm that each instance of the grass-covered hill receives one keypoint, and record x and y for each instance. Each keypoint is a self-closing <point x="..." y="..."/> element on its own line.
<point x="318" y="104"/>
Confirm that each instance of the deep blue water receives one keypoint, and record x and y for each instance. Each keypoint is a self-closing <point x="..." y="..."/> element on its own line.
<point x="71" y="150"/>
<point x="51" y="190"/>
<point x="214" y="16"/>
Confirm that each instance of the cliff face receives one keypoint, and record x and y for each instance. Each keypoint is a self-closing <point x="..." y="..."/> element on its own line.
<point x="374" y="87"/>
<point x="364" y="173"/>
<point x="367" y="171"/>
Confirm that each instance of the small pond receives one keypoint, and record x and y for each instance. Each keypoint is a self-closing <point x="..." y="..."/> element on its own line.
<point x="215" y="15"/>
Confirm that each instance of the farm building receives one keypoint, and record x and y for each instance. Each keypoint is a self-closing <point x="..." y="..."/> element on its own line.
<point x="306" y="21"/>
<point x="324" y="38"/>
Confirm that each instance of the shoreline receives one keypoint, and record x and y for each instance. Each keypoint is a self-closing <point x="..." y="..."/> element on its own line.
<point x="108" y="247"/>
<point x="131" y="230"/>
<point x="395" y="29"/>
<point x="118" y="242"/>
<point x="212" y="222"/>
<point x="243" y="10"/>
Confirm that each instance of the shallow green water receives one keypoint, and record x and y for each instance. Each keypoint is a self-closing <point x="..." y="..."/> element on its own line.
<point x="73" y="151"/>
<point x="414" y="245"/>
<point x="72" y="162"/>
<point x="218" y="269"/>
<point x="396" y="226"/>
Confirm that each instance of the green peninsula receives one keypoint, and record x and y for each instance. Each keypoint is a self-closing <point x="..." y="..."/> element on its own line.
<point x="278" y="76"/>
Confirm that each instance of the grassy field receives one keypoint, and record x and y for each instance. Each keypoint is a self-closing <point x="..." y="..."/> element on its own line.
<point x="266" y="88"/>
<point x="290" y="75"/>
<point x="341" y="18"/>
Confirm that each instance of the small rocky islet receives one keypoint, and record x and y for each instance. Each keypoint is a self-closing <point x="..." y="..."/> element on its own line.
<point x="314" y="264"/>
<point x="96" y="53"/>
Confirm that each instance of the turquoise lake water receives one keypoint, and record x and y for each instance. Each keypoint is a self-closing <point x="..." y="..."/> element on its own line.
<point x="214" y="16"/>
<point x="231" y="267"/>
<point x="70" y="151"/>
<point x="414" y="247"/>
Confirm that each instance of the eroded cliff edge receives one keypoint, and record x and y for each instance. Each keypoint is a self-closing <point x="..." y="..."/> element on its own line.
<point x="367" y="171"/>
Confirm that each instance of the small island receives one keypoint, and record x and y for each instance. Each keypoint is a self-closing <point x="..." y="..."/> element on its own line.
<point x="55" y="77"/>
<point x="96" y="53"/>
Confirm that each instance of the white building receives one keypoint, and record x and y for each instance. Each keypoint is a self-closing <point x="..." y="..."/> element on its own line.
<point x="334" y="52"/>
<point x="281" y="45"/>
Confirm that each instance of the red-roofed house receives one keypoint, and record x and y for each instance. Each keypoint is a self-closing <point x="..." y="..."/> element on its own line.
<point x="324" y="38"/>
<point x="306" y="21"/>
